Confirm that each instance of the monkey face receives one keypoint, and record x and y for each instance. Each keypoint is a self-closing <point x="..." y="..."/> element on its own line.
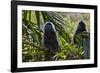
<point x="49" y="27"/>
<point x="81" y="26"/>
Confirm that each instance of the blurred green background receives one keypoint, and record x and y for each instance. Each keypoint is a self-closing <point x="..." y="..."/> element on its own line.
<point x="65" y="24"/>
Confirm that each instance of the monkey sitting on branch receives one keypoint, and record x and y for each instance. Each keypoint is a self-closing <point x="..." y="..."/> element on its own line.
<point x="50" y="40"/>
<point x="82" y="39"/>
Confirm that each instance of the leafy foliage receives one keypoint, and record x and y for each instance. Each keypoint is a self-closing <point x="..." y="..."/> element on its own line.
<point x="32" y="32"/>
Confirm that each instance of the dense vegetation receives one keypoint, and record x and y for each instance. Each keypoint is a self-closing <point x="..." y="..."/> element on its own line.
<point x="65" y="24"/>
